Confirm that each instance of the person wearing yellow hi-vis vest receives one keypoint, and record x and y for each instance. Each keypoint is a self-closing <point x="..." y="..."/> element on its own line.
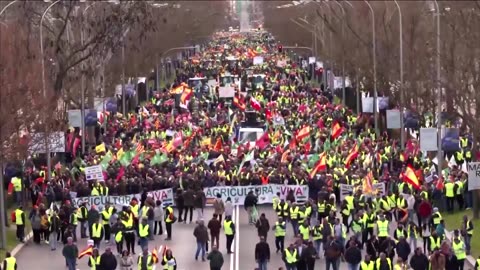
<point x="94" y="260"/>
<point x="9" y="263"/>
<point x="169" y="220"/>
<point x="467" y="226"/>
<point x="143" y="231"/>
<point x="280" y="232"/>
<point x="229" y="229"/>
<point x="117" y="231"/>
<point x="458" y="247"/>
<point x="17" y="188"/>
<point x="105" y="215"/>
<point x="20" y="222"/>
<point x="383" y="262"/>
<point x="169" y="262"/>
<point x="383" y="229"/>
<point x="367" y="263"/>
<point x="400" y="265"/>
<point x="449" y="190"/>
<point x="290" y="257"/>
<point x="97" y="233"/>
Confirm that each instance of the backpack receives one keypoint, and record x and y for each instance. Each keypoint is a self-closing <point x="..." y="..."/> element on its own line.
<point x="13" y="217"/>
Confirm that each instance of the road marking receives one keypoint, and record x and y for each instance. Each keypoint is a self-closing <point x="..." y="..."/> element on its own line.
<point x="232" y="263"/>
<point x="237" y="236"/>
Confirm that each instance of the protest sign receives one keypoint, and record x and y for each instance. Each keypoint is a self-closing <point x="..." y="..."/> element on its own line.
<point x="164" y="195"/>
<point x="226" y="92"/>
<point x="265" y="193"/>
<point x="345" y="190"/>
<point x="94" y="173"/>
<point x="473" y="169"/>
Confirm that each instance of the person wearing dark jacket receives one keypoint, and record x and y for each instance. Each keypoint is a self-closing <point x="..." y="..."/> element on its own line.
<point x="108" y="260"/>
<point x="403" y="249"/>
<point x="309" y="256"/>
<point x="263" y="226"/>
<point x="180" y="203"/>
<point x="249" y="204"/>
<point x="262" y="253"/>
<point x="419" y="261"/>
<point x="333" y="251"/>
<point x="388" y="247"/>
<point x="92" y="216"/>
<point x="216" y="259"/>
<point x="188" y="200"/>
<point x="451" y="262"/>
<point x="214" y="225"/>
<point x="353" y="255"/>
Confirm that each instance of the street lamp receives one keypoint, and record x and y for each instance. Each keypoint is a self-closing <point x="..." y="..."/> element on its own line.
<point x="374" y="49"/>
<point x="439" y="93"/>
<point x="82" y="82"/>
<point x="343" y="52"/>
<point x="402" y="94"/>
<point x="5" y="7"/>
<point x="47" y="147"/>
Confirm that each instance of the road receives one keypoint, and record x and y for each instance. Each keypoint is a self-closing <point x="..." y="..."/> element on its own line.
<point x="183" y="246"/>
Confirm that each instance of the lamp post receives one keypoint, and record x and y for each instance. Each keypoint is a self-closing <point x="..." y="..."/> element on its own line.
<point x="439" y="93"/>
<point x="47" y="146"/>
<point x="374" y="49"/>
<point x="343" y="52"/>
<point x="82" y="82"/>
<point x="402" y="94"/>
<point x="5" y="7"/>
<point x="3" y="216"/>
<point x="157" y="77"/>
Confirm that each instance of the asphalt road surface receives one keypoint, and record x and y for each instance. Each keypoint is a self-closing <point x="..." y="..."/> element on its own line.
<point x="183" y="246"/>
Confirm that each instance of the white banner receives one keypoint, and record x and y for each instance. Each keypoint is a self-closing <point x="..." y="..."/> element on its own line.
<point x="393" y="119"/>
<point x="94" y="173"/>
<point x="163" y="195"/>
<point x="258" y="60"/>
<point x="226" y="92"/>
<point x="473" y="169"/>
<point x="265" y="193"/>
<point x="377" y="188"/>
<point x="428" y="139"/>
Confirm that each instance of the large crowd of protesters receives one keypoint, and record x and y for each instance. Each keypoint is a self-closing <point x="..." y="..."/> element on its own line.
<point x="185" y="138"/>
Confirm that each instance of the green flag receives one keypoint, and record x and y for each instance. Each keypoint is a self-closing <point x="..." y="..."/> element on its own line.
<point x="126" y="158"/>
<point x="326" y="145"/>
<point x="158" y="159"/>
<point x="106" y="160"/>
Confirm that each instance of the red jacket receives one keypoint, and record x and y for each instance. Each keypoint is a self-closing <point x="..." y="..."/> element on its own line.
<point x="424" y="209"/>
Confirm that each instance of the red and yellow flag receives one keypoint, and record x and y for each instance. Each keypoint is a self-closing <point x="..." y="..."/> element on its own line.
<point x="336" y="130"/>
<point x="218" y="145"/>
<point x="155" y="255"/>
<point x="303" y="133"/>
<point x="410" y="177"/>
<point x="239" y="103"/>
<point x="351" y="156"/>
<point x="88" y="251"/>
<point x="321" y="165"/>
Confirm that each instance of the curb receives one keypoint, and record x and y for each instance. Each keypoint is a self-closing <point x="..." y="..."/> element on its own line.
<point x="19" y="247"/>
<point x="469" y="258"/>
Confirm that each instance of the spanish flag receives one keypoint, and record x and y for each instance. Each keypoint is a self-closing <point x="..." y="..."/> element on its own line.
<point x="303" y="133"/>
<point x="336" y="130"/>
<point x="155" y="255"/>
<point x="410" y="177"/>
<point x="321" y="165"/>
<point x="284" y="158"/>
<point x="239" y="103"/>
<point x="218" y="145"/>
<point x="351" y="156"/>
<point x="186" y="95"/>
<point x="88" y="251"/>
